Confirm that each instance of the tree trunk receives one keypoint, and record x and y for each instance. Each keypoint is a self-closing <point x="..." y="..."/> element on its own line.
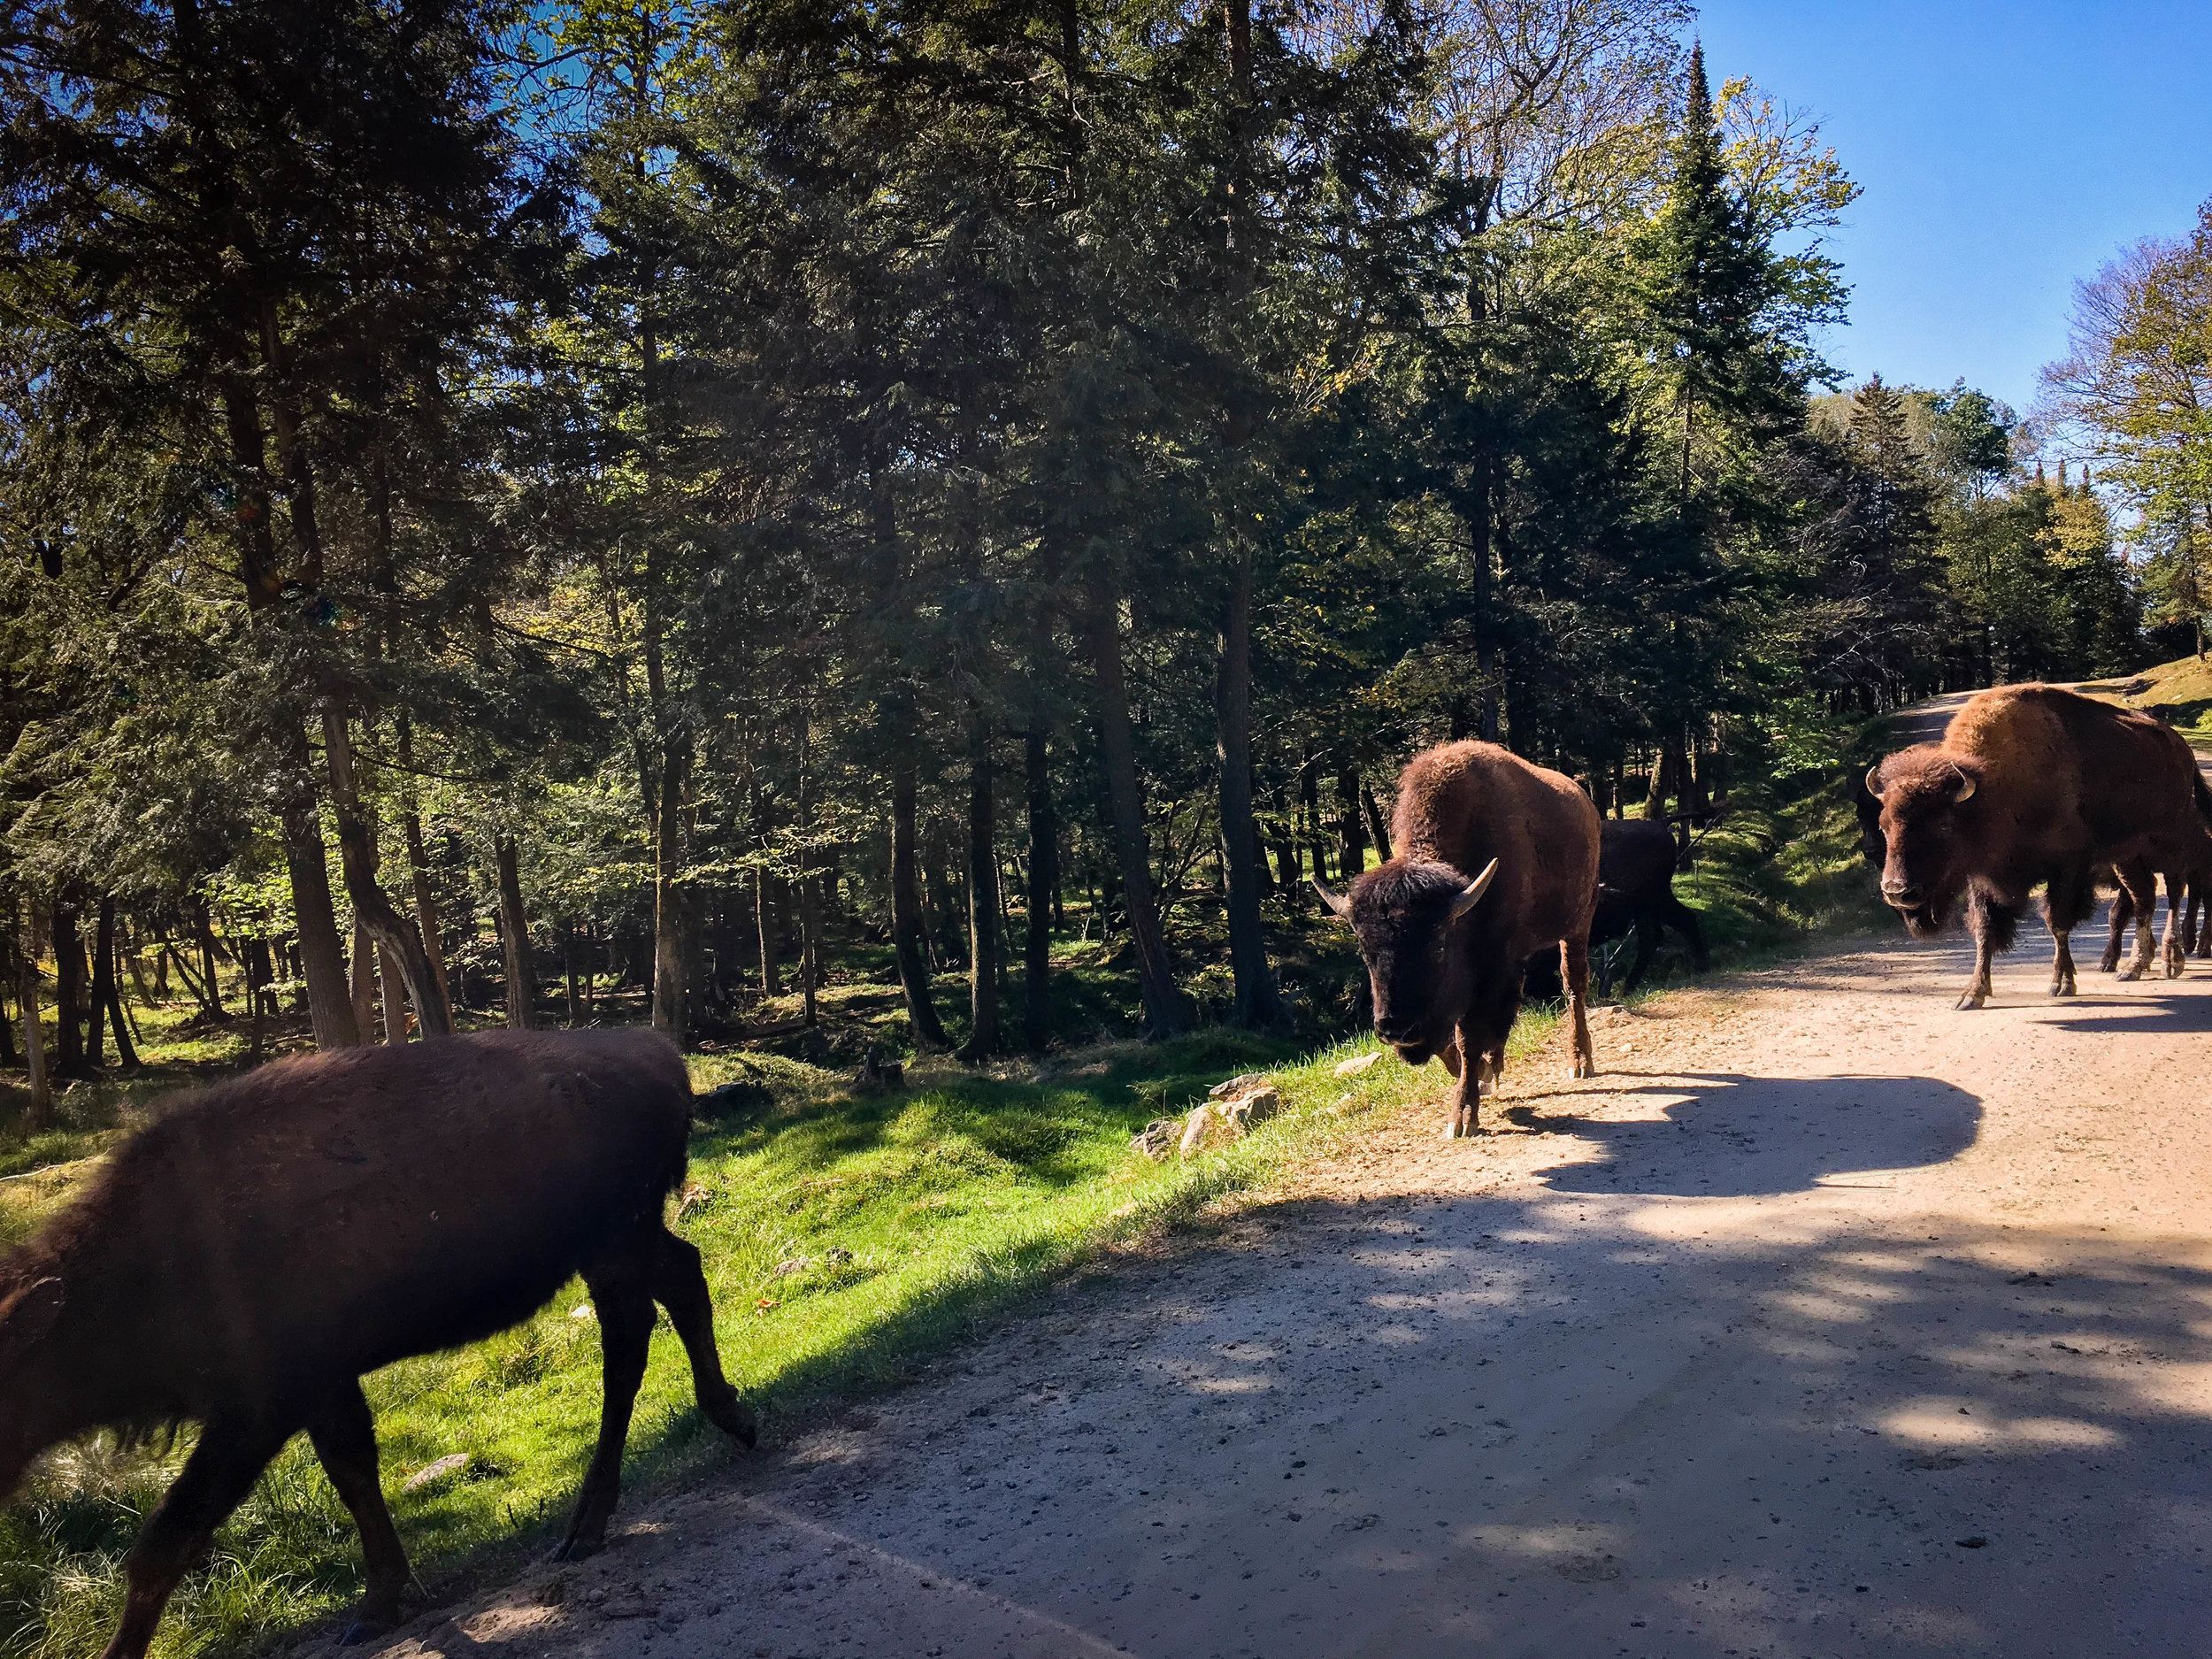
<point x="371" y="909"/>
<point x="1256" y="1005"/>
<point x="763" y="914"/>
<point x="69" y="1056"/>
<point x="1377" y="827"/>
<point x="910" y="944"/>
<point x="1286" y="874"/>
<point x="514" y="931"/>
<point x="1044" y="882"/>
<point x="418" y="871"/>
<point x="97" y="986"/>
<point x="390" y="978"/>
<point x="363" y="968"/>
<point x="983" y="1035"/>
<point x="809" y="952"/>
<point x="8" y="945"/>
<point x="1310" y="818"/>
<point x="1165" y="1013"/>
<point x="568" y="974"/>
<point x="938" y="890"/>
<point x="40" y="1112"/>
<point x="1662" y="780"/>
<point x="1351" y="832"/>
<point x="671" y="903"/>
<point x="107" y="997"/>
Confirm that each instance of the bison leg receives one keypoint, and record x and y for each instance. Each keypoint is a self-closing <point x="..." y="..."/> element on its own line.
<point x="2122" y="913"/>
<point x="1464" y="1101"/>
<point x="2141" y="884"/>
<point x="625" y="1331"/>
<point x="1992" y="924"/>
<point x="231" y="1453"/>
<point x="1646" y="944"/>
<point x="2173" y="954"/>
<point x="2066" y="902"/>
<point x="680" y="1287"/>
<point x="1574" y="971"/>
<point x="1684" y="921"/>
<point x="344" y="1438"/>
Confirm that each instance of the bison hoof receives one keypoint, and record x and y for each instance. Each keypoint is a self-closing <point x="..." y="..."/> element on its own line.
<point x="1971" y="1000"/>
<point x="2132" y="971"/>
<point x="2174" y="966"/>
<point x="733" y="1417"/>
<point x="1586" y="1068"/>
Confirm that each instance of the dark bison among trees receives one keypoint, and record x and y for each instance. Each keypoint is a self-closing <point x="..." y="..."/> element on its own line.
<point x="2037" y="783"/>
<point x="1496" y="859"/>
<point x="243" y="1262"/>
<point x="1637" y="859"/>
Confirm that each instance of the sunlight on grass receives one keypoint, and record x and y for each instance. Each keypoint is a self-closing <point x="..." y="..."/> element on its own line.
<point x="847" y="1239"/>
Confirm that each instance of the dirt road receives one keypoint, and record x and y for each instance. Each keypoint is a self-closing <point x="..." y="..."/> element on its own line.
<point x="1827" y="1321"/>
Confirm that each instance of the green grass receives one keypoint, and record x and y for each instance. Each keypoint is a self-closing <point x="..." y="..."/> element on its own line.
<point x="2179" y="693"/>
<point x="847" y="1239"/>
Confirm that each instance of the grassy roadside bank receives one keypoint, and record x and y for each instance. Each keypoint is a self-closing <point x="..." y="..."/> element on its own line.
<point x="847" y="1237"/>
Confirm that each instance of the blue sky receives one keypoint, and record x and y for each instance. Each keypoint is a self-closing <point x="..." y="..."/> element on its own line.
<point x="2006" y="150"/>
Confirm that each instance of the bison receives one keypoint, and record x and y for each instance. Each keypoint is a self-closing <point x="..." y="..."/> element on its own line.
<point x="2037" y="783"/>
<point x="1495" y="859"/>
<point x="241" y="1261"/>
<point x="1636" y="864"/>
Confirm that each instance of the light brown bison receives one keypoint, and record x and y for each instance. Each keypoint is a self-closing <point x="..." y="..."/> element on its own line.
<point x="244" y="1260"/>
<point x="2037" y="784"/>
<point x="1496" y="859"/>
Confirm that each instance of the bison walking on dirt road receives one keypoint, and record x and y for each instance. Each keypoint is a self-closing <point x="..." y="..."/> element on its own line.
<point x="2037" y="783"/>
<point x="243" y="1262"/>
<point x="1496" y="859"/>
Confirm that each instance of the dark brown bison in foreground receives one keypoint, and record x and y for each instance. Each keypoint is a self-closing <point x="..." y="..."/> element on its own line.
<point x="243" y="1262"/>
<point x="1496" y="858"/>
<point x="2037" y="783"/>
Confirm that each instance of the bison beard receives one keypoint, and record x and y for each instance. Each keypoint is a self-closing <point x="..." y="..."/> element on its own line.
<point x="241" y="1264"/>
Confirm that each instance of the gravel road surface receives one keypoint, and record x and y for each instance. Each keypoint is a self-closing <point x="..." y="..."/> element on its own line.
<point x="1827" y="1321"/>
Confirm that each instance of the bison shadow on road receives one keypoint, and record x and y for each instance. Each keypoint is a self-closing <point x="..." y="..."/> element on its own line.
<point x="1723" y="1135"/>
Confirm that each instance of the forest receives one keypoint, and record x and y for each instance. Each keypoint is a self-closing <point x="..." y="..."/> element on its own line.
<point x="606" y="512"/>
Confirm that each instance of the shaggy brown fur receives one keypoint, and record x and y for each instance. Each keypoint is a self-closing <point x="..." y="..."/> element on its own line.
<point x="2038" y="785"/>
<point x="243" y="1260"/>
<point x="1446" y="973"/>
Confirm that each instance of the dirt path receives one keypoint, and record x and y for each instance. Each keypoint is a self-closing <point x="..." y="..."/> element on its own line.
<point x="1828" y="1321"/>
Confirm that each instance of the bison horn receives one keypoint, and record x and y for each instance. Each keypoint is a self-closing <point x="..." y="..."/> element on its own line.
<point x="1966" y="786"/>
<point x="1339" y="907"/>
<point x="1476" y="888"/>
<point x="1874" y="778"/>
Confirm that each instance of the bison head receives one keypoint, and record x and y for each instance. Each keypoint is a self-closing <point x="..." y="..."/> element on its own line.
<point x="1406" y="914"/>
<point x="1927" y="831"/>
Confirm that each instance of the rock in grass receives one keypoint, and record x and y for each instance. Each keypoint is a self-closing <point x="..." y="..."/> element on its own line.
<point x="1239" y="1115"/>
<point x="1237" y="1086"/>
<point x="1358" y="1064"/>
<point x="430" y="1474"/>
<point x="1157" y="1138"/>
